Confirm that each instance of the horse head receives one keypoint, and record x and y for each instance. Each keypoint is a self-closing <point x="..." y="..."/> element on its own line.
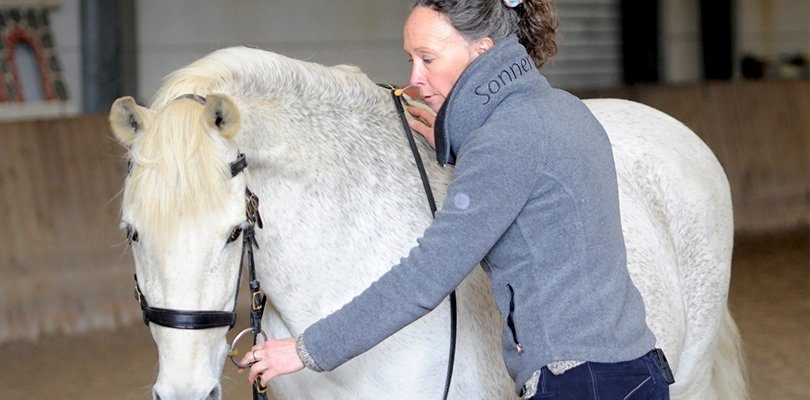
<point x="183" y="211"/>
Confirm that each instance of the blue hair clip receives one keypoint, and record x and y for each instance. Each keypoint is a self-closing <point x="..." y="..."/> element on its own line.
<point x="512" y="3"/>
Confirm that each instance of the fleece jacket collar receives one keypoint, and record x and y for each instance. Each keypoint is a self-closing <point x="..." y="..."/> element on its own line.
<point x="503" y="70"/>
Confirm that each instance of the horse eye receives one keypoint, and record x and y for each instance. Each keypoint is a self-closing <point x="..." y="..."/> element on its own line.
<point x="235" y="234"/>
<point x="132" y="234"/>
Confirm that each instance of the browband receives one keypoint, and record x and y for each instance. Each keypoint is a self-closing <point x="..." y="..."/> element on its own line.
<point x="236" y="167"/>
<point x="191" y="96"/>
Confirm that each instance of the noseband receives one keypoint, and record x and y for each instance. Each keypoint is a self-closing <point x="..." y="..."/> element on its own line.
<point x="195" y="319"/>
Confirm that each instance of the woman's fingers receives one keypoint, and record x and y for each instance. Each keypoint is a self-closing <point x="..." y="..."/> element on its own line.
<point x="250" y="357"/>
<point x="426" y="117"/>
<point x="271" y="359"/>
<point x="422" y="123"/>
<point x="259" y="368"/>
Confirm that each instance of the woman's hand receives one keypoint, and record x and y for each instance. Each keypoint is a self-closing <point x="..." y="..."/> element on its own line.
<point x="271" y="359"/>
<point x="422" y="123"/>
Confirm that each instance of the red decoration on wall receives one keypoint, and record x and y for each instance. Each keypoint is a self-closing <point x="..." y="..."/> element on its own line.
<point x="31" y="26"/>
<point x="19" y="34"/>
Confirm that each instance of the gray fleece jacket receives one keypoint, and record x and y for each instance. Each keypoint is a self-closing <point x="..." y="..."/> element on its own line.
<point x="534" y="196"/>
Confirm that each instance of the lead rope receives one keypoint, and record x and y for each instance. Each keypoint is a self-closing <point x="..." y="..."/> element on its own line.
<point x="396" y="94"/>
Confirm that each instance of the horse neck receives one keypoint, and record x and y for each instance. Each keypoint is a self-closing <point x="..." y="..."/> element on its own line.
<point x="298" y="131"/>
<point x="341" y="198"/>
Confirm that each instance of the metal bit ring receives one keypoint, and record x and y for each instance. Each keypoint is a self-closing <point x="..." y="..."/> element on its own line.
<point x="234" y="352"/>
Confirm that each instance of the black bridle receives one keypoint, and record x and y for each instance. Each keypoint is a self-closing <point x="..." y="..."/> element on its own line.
<point x="193" y="319"/>
<point x="196" y="319"/>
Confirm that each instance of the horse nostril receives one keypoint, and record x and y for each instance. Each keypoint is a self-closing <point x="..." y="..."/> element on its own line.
<point x="213" y="394"/>
<point x="155" y="395"/>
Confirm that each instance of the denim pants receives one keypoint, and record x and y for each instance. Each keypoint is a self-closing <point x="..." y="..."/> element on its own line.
<point x="642" y="378"/>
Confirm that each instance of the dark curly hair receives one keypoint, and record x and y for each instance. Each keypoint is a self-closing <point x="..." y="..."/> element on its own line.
<point x="534" y="21"/>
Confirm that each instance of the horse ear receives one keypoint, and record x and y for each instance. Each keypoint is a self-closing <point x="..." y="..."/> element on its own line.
<point x="128" y="119"/>
<point x="221" y="114"/>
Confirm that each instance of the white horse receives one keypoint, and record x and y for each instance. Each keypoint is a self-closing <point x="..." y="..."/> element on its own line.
<point x="342" y="202"/>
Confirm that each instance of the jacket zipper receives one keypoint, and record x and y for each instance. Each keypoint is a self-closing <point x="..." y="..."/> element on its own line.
<point x="510" y="321"/>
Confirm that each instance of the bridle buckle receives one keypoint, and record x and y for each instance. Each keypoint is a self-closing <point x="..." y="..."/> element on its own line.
<point x="252" y="209"/>
<point x="138" y="295"/>
<point x="257" y="301"/>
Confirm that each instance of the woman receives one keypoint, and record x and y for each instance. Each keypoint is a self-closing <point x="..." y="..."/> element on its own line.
<point x="534" y="198"/>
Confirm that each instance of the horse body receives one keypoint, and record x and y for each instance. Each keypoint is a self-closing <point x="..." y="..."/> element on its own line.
<point x="343" y="202"/>
<point x="678" y="228"/>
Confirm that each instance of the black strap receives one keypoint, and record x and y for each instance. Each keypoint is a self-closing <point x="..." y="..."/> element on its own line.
<point x="432" y="203"/>
<point x="191" y="96"/>
<point x="182" y="319"/>
<point x="238" y="165"/>
<point x="190" y="319"/>
<point x="257" y="297"/>
<point x="419" y="165"/>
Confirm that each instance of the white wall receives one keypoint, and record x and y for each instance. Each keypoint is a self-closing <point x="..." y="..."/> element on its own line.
<point x="173" y="33"/>
<point x="365" y="33"/>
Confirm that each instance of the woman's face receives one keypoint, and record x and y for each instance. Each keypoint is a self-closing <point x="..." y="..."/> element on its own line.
<point x="438" y="52"/>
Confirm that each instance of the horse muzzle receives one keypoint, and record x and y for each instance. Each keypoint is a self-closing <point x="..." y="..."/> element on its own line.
<point x="184" y="392"/>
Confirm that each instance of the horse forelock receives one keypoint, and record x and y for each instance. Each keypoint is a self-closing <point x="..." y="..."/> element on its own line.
<point x="178" y="171"/>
